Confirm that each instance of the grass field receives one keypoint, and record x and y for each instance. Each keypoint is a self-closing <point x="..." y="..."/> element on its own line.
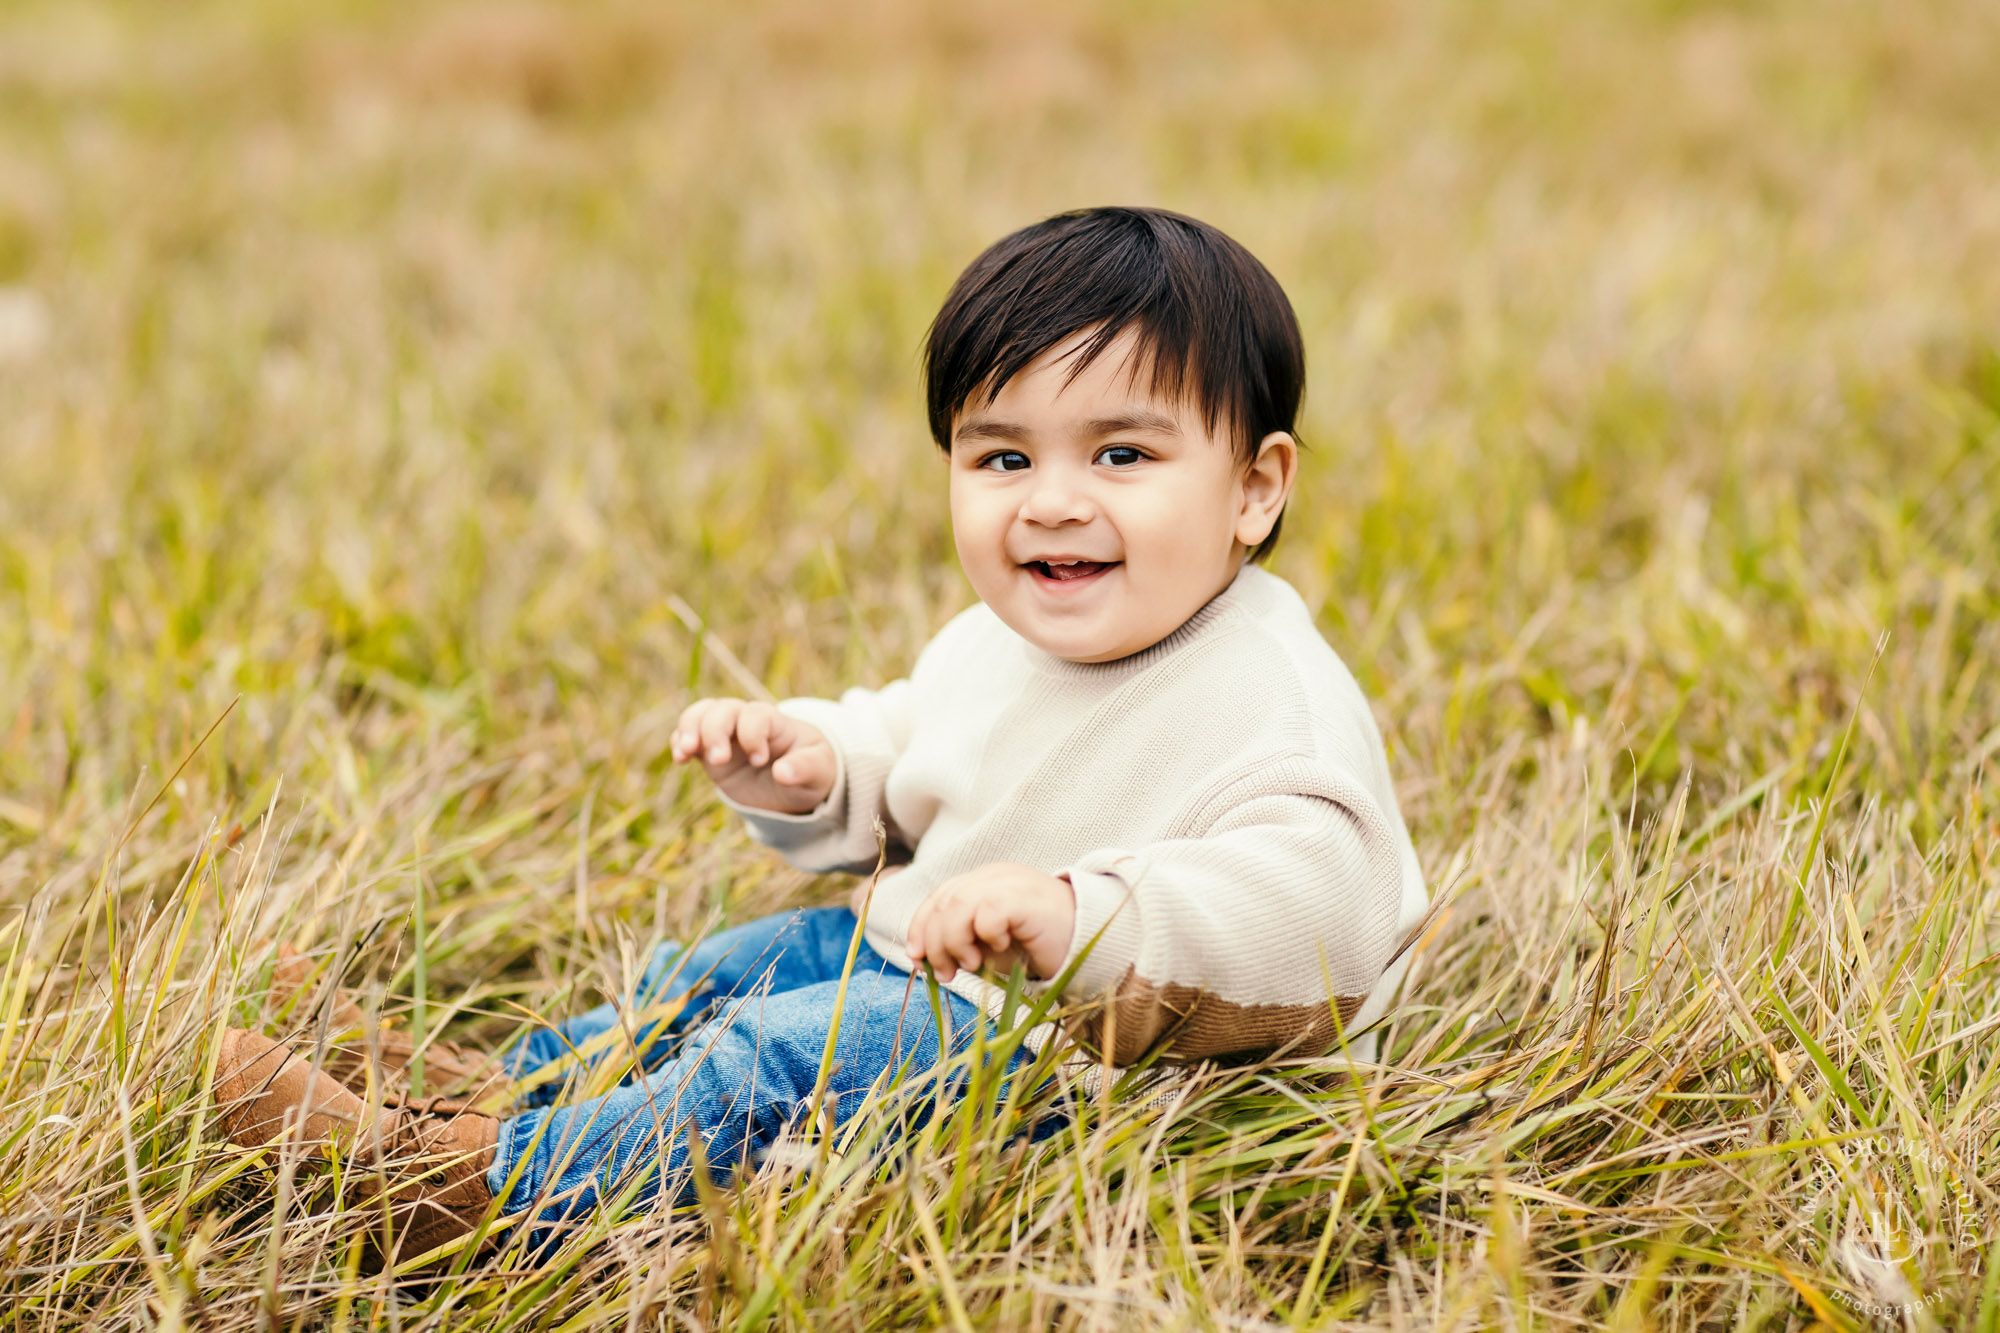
<point x="417" y="380"/>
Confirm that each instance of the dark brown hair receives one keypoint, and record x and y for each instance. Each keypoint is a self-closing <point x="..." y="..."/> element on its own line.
<point x="1212" y="323"/>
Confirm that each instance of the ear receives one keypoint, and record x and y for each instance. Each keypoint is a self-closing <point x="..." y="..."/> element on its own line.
<point x="1266" y="483"/>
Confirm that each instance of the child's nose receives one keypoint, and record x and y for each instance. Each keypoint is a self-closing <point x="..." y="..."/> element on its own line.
<point x="1055" y="500"/>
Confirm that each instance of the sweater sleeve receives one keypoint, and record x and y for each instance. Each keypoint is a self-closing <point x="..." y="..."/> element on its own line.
<point x="868" y="730"/>
<point x="1269" y="930"/>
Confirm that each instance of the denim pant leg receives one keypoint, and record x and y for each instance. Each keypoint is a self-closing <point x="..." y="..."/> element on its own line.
<point x="739" y="1081"/>
<point x="781" y="952"/>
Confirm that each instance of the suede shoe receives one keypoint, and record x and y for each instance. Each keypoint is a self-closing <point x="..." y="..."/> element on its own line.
<point x="421" y="1166"/>
<point x="464" y="1075"/>
<point x="434" y="1164"/>
<point x="262" y="1087"/>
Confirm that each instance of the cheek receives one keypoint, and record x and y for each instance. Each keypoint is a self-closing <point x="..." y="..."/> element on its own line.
<point x="1180" y="528"/>
<point x="977" y="516"/>
<point x="979" y="528"/>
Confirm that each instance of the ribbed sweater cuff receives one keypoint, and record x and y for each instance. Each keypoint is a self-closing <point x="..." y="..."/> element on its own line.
<point x="1107" y="912"/>
<point x="838" y="834"/>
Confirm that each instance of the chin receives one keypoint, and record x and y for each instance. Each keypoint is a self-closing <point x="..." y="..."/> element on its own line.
<point x="1076" y="648"/>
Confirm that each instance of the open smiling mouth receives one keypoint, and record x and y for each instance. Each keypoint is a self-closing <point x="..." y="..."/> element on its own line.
<point x="1069" y="571"/>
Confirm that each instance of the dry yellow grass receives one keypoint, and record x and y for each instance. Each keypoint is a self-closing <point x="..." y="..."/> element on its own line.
<point x="392" y="370"/>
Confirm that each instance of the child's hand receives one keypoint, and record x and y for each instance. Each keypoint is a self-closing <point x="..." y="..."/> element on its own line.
<point x="994" y="916"/>
<point x="758" y="756"/>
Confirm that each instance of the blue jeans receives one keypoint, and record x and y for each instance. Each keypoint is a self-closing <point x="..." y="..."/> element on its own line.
<point x="760" y="1003"/>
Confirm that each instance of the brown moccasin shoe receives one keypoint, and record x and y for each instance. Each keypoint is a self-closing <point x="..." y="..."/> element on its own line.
<point x="263" y="1088"/>
<point x="423" y="1165"/>
<point x="434" y="1165"/>
<point x="460" y="1073"/>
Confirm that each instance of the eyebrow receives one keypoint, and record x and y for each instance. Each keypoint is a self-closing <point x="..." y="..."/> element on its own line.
<point x="1159" y="423"/>
<point x="985" y="428"/>
<point x="1139" y="419"/>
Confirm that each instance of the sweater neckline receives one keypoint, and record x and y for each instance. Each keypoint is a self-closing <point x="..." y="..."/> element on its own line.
<point x="1194" y="627"/>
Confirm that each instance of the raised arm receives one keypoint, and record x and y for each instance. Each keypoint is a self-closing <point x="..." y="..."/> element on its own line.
<point x="863" y="733"/>
<point x="1247" y="939"/>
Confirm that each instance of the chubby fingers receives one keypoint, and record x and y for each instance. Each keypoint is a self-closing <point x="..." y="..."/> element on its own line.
<point x="687" y="731"/>
<point x="797" y="752"/>
<point x="952" y="934"/>
<point x="706" y="729"/>
<point x="993" y="925"/>
<point x="714" y="729"/>
<point x="961" y="930"/>
<point x="718" y="730"/>
<point x="756" y="727"/>
<point x="941" y="935"/>
<point x="916" y="936"/>
<point x="998" y="927"/>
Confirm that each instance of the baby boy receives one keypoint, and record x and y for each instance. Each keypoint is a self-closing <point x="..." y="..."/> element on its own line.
<point x="1134" y="761"/>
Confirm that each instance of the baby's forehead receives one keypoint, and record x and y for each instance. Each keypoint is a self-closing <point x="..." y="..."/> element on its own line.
<point x="1115" y="392"/>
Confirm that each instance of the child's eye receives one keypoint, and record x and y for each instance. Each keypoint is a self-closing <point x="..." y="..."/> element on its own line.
<point x="1007" y="460"/>
<point x="1121" y="455"/>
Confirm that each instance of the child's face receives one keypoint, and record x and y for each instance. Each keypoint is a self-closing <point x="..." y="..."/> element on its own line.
<point x="1154" y="506"/>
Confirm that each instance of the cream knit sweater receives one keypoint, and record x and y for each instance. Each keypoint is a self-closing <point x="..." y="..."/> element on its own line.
<point x="1220" y="802"/>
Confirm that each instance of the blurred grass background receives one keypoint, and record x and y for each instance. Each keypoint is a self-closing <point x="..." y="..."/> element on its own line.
<point x="423" y="374"/>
